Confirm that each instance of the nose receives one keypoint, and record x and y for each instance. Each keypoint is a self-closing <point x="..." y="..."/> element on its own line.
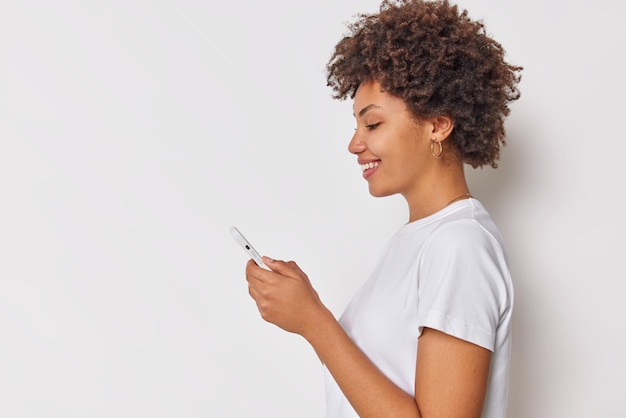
<point x="356" y="145"/>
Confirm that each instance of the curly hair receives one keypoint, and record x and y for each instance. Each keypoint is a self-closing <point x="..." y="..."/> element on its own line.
<point x="440" y="62"/>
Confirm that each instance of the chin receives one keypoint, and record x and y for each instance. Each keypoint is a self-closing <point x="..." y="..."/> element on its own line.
<point x="379" y="192"/>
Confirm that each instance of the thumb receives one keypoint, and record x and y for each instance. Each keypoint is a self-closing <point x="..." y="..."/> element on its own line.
<point x="289" y="269"/>
<point x="274" y="265"/>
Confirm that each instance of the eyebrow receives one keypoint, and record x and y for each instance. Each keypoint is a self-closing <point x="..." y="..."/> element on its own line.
<point x="368" y="108"/>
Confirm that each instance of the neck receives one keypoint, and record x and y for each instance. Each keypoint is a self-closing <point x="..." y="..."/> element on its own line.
<point x="437" y="192"/>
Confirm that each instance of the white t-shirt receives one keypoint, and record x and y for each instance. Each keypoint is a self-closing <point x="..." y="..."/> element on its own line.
<point x="447" y="272"/>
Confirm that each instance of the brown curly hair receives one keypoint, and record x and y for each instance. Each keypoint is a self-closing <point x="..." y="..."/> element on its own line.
<point x="440" y="62"/>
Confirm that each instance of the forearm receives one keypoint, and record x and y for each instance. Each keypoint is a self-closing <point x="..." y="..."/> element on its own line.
<point x="369" y="391"/>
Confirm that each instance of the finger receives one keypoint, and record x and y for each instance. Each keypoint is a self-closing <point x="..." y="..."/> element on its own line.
<point x="252" y="291"/>
<point x="285" y="268"/>
<point x="278" y="266"/>
<point x="257" y="289"/>
<point x="254" y="272"/>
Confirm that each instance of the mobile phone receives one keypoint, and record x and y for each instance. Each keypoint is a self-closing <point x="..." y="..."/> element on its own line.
<point x="248" y="247"/>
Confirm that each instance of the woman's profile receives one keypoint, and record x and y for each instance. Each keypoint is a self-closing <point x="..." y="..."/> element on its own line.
<point x="428" y="334"/>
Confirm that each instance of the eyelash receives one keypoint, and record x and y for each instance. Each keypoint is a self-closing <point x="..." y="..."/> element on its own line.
<point x="371" y="127"/>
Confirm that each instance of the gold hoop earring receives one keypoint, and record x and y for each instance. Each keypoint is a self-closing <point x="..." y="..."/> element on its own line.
<point x="432" y="148"/>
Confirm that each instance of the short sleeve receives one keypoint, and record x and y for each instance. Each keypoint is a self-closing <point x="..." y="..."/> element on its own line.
<point x="464" y="285"/>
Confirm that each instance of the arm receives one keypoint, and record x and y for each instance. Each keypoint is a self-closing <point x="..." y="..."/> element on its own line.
<point x="450" y="375"/>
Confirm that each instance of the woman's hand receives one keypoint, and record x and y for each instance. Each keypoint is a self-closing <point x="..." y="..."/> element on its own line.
<point x="284" y="296"/>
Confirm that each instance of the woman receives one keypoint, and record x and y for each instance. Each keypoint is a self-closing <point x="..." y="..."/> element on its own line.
<point x="428" y="335"/>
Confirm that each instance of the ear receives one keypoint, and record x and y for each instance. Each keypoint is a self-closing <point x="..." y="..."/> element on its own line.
<point x="442" y="127"/>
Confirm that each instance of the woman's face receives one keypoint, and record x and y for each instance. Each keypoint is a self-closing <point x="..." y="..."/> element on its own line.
<point x="393" y="149"/>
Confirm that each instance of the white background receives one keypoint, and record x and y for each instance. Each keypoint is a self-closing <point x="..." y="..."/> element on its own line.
<point x="134" y="133"/>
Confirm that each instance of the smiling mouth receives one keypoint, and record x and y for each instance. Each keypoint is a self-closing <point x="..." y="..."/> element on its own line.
<point x="369" y="165"/>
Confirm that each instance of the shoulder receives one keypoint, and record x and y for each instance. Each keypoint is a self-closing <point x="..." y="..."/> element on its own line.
<point x="466" y="235"/>
<point x="464" y="252"/>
